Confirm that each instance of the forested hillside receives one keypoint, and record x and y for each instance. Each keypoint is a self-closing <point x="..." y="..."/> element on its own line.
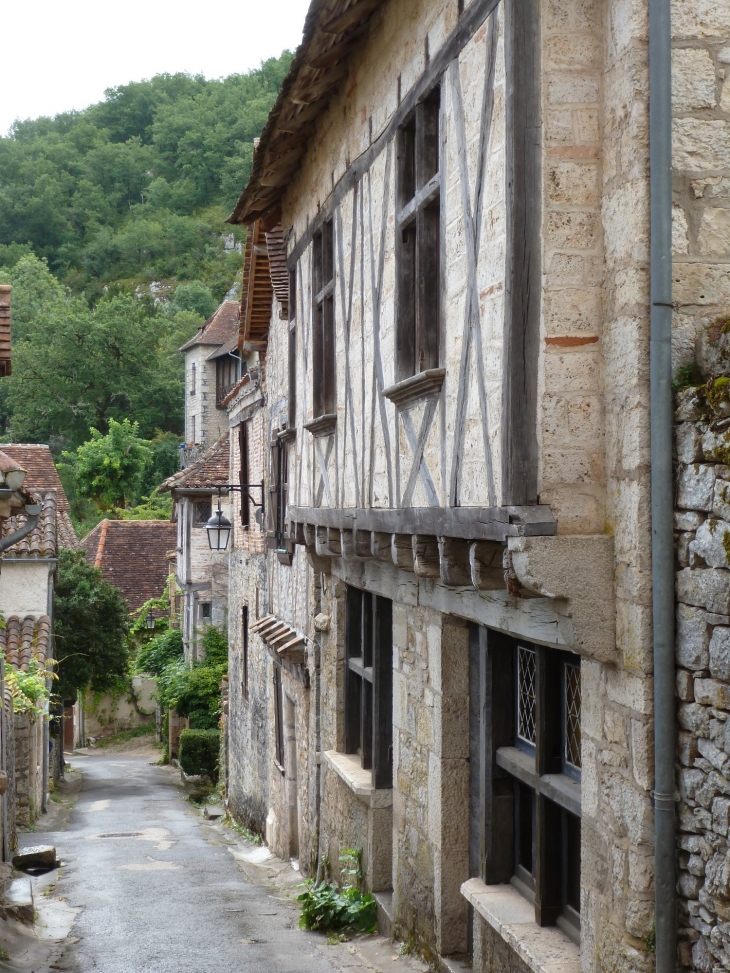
<point x="112" y="233"/>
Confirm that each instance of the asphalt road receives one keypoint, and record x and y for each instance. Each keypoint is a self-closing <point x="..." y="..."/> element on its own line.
<point x="156" y="894"/>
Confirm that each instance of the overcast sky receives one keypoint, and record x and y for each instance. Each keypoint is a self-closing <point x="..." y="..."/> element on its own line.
<point x="62" y="54"/>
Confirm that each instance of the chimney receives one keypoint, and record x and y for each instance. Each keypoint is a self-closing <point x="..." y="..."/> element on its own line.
<point x="5" y="290"/>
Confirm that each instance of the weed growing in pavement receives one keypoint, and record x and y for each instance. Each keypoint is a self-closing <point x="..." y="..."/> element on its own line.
<point x="4" y="954"/>
<point x="327" y="908"/>
<point x="244" y="832"/>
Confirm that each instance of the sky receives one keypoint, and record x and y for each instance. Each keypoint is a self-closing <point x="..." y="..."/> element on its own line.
<point x="60" y="55"/>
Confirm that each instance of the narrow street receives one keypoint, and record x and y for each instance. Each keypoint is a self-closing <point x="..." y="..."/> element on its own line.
<point x="158" y="890"/>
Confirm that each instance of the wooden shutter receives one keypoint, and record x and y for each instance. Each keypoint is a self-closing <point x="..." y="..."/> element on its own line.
<point x="273" y="504"/>
<point x="243" y="472"/>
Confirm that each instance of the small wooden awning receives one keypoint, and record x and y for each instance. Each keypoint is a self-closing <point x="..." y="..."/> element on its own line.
<point x="281" y="638"/>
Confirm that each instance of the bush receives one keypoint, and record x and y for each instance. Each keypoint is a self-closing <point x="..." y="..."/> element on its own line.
<point x="329" y="909"/>
<point x="154" y="656"/>
<point x="199" y="750"/>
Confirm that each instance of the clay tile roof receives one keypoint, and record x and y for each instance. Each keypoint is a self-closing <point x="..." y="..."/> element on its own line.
<point x="331" y="31"/>
<point x="219" y="328"/>
<point x="132" y="555"/>
<point x="42" y="472"/>
<point x="24" y="639"/>
<point x="43" y="540"/>
<point x="208" y="471"/>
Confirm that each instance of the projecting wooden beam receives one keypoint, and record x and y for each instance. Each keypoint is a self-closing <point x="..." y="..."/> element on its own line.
<point x="454" y="561"/>
<point x="485" y="563"/>
<point x="380" y="546"/>
<point x="401" y="551"/>
<point x="426" y="561"/>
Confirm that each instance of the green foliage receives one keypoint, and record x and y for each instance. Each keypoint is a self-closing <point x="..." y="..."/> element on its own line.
<point x="199" y="752"/>
<point x="685" y="377"/>
<point x="194" y="297"/>
<point x="109" y="469"/>
<point x="124" y="736"/>
<point x="194" y="691"/>
<point x="136" y="188"/>
<point x="157" y="506"/>
<point x="328" y="909"/>
<point x="29" y="689"/>
<point x="158" y="652"/>
<point x="91" y="626"/>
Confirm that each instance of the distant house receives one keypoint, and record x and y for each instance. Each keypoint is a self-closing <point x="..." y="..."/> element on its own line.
<point x="27" y="584"/>
<point x="212" y="369"/>
<point x="202" y="574"/>
<point x="132" y="555"/>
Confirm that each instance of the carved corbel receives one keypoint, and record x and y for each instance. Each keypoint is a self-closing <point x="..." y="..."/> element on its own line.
<point x="577" y="572"/>
<point x="485" y="566"/>
<point x="426" y="556"/>
<point x="380" y="546"/>
<point x="454" y="561"/>
<point x="401" y="551"/>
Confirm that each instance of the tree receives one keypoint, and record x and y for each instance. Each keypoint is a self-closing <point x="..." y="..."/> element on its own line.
<point x="91" y="622"/>
<point x="109" y="469"/>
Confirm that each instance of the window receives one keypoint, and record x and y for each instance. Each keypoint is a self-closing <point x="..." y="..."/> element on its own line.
<point x="526" y="765"/>
<point x="244" y="651"/>
<point x="323" y="321"/>
<point x="206" y="611"/>
<point x="369" y="683"/>
<point x="243" y="473"/>
<point x="227" y="373"/>
<point x="292" y="408"/>
<point x="278" y="499"/>
<point x="418" y="240"/>
<point x="202" y="512"/>
<point x="193" y="378"/>
<point x="192" y="429"/>
<point x="278" y="719"/>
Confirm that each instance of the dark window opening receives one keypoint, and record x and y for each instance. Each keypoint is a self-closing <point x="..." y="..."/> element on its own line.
<point x="418" y="240"/>
<point x="277" y="503"/>
<point x="278" y="719"/>
<point x="227" y="373"/>
<point x="525" y="747"/>
<point x="292" y="406"/>
<point x="243" y="473"/>
<point x="323" y="321"/>
<point x="193" y="378"/>
<point x="202" y="512"/>
<point x="244" y="651"/>
<point x="206" y="611"/>
<point x="369" y="683"/>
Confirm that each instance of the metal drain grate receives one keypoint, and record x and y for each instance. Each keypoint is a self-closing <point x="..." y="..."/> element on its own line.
<point x="121" y="834"/>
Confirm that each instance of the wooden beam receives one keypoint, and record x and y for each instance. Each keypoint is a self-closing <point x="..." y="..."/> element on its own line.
<point x="426" y="559"/>
<point x="454" y="561"/>
<point x="523" y="265"/>
<point x="321" y="546"/>
<point x="351" y="17"/>
<point x="380" y="546"/>
<point x="347" y="543"/>
<point x="310" y="535"/>
<point x="363" y="545"/>
<point x="401" y="550"/>
<point x="485" y="562"/>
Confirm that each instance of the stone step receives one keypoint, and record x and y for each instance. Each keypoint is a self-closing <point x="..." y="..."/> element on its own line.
<point x="448" y="964"/>
<point x="213" y="811"/>
<point x="384" y="902"/>
<point x="35" y="856"/>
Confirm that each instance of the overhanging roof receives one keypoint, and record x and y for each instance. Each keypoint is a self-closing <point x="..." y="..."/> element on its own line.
<point x="331" y="31"/>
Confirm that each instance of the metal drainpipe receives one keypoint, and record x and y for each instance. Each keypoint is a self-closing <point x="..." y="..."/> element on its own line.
<point x="317" y="643"/>
<point x="662" y="494"/>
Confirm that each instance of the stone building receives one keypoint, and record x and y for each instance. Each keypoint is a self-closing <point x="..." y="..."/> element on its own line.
<point x="201" y="574"/>
<point x="445" y="655"/>
<point x="212" y="369"/>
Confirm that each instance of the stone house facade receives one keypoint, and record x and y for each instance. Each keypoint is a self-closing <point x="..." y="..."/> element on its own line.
<point x="212" y="369"/>
<point x="444" y="655"/>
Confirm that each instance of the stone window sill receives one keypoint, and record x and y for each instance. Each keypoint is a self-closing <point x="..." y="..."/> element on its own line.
<point x="347" y="767"/>
<point x="543" y="949"/>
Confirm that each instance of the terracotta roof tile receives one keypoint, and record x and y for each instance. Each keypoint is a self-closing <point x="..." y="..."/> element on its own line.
<point x="132" y="555"/>
<point x="42" y="472"/>
<point x="43" y="540"/>
<point x="219" y="328"/>
<point x="211" y="469"/>
<point x="24" y="639"/>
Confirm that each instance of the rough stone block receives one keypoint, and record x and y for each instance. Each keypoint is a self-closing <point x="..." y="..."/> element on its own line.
<point x="714" y="235"/>
<point x="689" y="885"/>
<point x="721" y="815"/>
<point x="712" y="692"/>
<point x="716" y="446"/>
<point x="694" y="718"/>
<point x="689" y="442"/>
<point x="696" y="486"/>
<point x="687" y="520"/>
<point x="719" y="652"/>
<point x="705" y="588"/>
<point x="712" y="543"/>
<point x="690" y="781"/>
<point x="642" y="754"/>
<point x="700" y="144"/>
<point x="693" y="79"/>
<point x="685" y="686"/>
<point x="692" y="641"/>
<point x="690" y="406"/>
<point x="717" y="757"/>
<point x="721" y="500"/>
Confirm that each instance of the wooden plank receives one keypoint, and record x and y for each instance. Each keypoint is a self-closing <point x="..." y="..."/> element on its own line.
<point x="347" y="322"/>
<point x="454" y="561"/>
<point x="427" y="194"/>
<point x="341" y="23"/>
<point x="401" y="548"/>
<point x="363" y="544"/>
<point x="499" y="695"/>
<point x="467" y="26"/>
<point x="523" y="270"/>
<point x="419" y="468"/>
<point x="383" y="693"/>
<point x="485" y="563"/>
<point x="380" y="546"/>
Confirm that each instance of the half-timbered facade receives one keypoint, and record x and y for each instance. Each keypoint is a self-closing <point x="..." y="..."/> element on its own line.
<point x="449" y="632"/>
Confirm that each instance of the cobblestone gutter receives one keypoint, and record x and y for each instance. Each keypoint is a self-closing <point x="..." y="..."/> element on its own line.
<point x="702" y="526"/>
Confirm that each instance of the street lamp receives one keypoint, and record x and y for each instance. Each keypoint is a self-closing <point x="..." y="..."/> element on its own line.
<point x="219" y="526"/>
<point x="150" y="620"/>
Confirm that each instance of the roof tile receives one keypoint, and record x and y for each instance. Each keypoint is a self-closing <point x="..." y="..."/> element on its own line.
<point x="210" y="470"/>
<point x="219" y="328"/>
<point x="24" y="639"/>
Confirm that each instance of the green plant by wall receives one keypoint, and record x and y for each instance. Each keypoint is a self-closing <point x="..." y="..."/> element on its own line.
<point x="194" y="691"/>
<point x="164" y="647"/>
<point x="30" y="689"/>
<point x="326" y="908"/>
<point x="199" y="751"/>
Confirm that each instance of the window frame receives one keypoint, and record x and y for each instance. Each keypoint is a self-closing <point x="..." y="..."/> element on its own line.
<point x="278" y="720"/>
<point x="292" y="350"/>
<point x="323" y="321"/>
<point x="244" y="651"/>
<point x="368" y="683"/>
<point x="244" y="470"/>
<point x="194" y="378"/>
<point x="507" y="768"/>
<point x="199" y="520"/>
<point x="276" y="530"/>
<point x="418" y="239"/>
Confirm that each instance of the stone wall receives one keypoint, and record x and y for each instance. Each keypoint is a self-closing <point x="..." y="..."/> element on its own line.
<point x="702" y="525"/>
<point x="111" y="714"/>
<point x="28" y="746"/>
